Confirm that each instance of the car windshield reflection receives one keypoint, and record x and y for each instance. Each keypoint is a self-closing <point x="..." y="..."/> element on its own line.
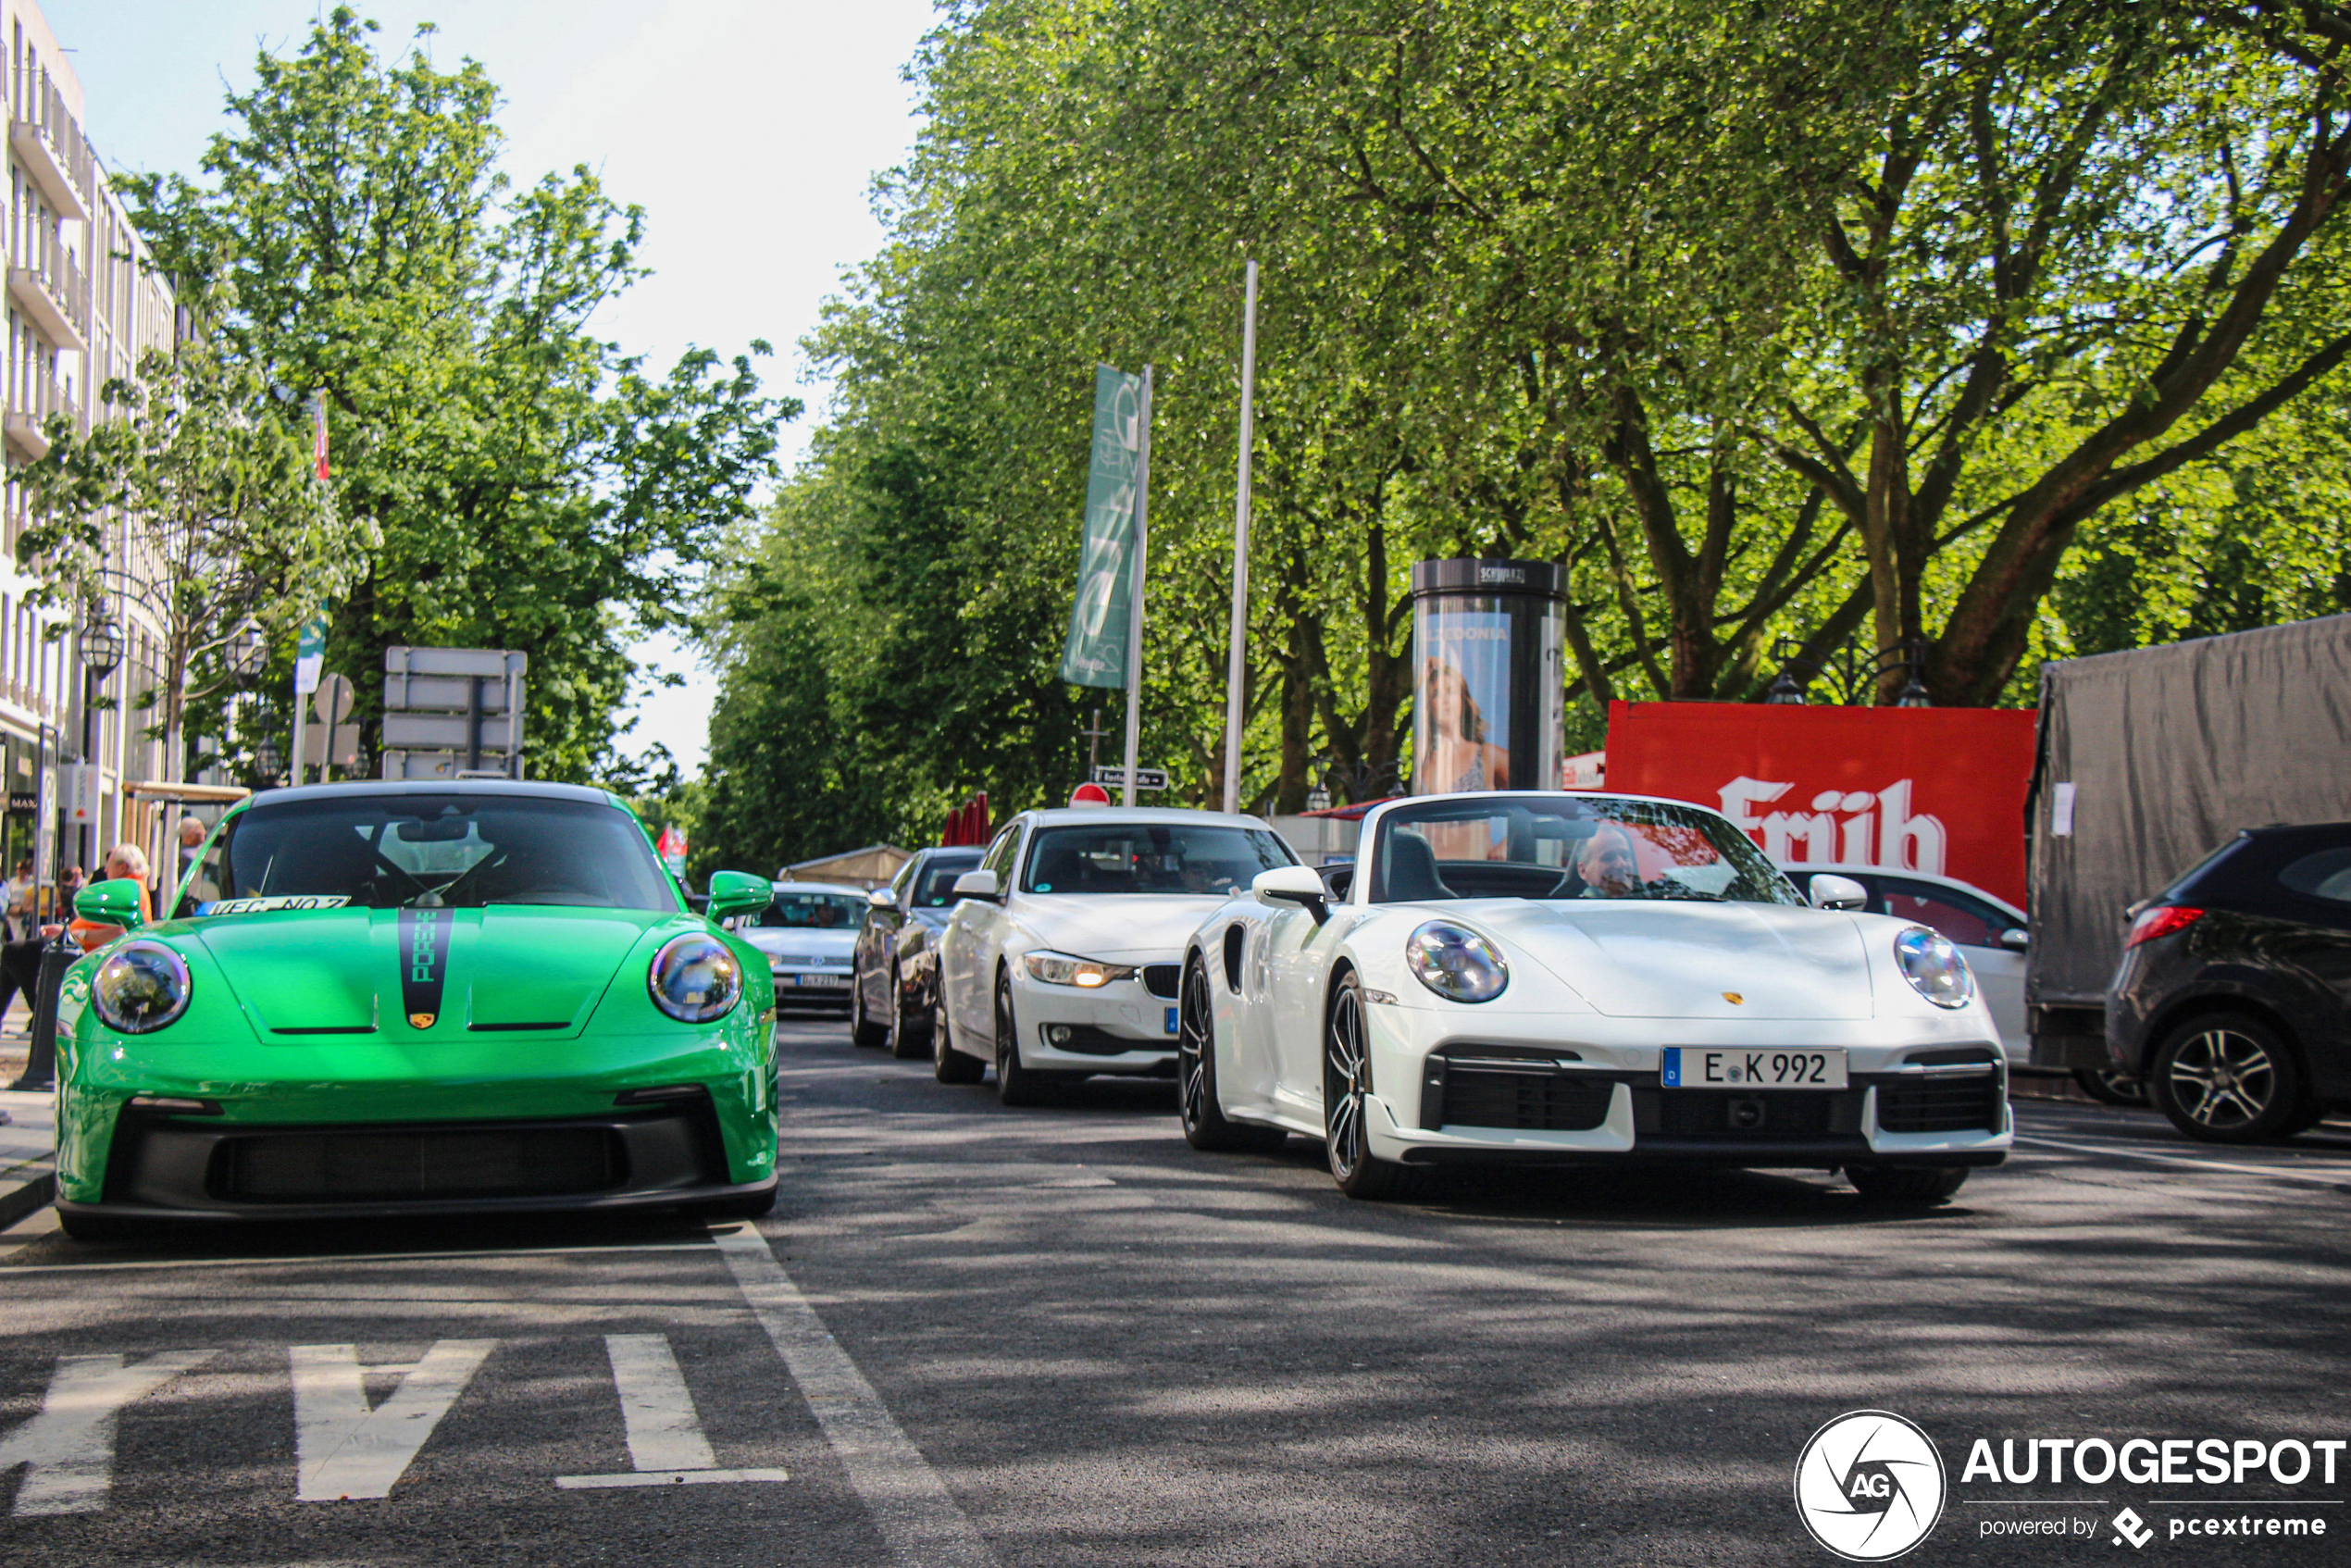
<point x="1568" y="847"/>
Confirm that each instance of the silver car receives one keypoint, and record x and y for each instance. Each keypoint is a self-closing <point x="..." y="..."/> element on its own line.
<point x="809" y="934"/>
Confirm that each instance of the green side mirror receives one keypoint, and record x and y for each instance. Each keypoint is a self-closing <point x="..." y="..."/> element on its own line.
<point x="110" y="903"/>
<point x="737" y="892"/>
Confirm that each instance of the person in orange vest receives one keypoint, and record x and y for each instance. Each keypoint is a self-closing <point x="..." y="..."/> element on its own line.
<point x="122" y="861"/>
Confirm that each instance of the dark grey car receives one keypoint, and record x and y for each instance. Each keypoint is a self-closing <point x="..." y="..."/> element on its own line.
<point x="894" y="988"/>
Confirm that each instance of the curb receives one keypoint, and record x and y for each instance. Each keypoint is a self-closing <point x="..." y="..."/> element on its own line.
<point x="28" y="1193"/>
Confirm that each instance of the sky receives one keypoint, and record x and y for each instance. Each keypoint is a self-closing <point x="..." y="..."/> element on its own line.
<point x="747" y="129"/>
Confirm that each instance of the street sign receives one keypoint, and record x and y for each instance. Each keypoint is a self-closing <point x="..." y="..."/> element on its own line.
<point x="333" y="698"/>
<point x="23" y="803"/>
<point x="340" y="747"/>
<point x="443" y="693"/>
<point x="1112" y="777"/>
<point x="452" y="711"/>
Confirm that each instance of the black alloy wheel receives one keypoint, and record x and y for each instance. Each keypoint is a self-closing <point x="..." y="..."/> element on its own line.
<point x="864" y="1033"/>
<point x="1347" y="1091"/>
<point x="1905" y="1184"/>
<point x="2229" y="1077"/>
<point x="948" y="1064"/>
<point x="1015" y="1084"/>
<point x="909" y="1041"/>
<point x="1205" y="1126"/>
<point x="2111" y="1086"/>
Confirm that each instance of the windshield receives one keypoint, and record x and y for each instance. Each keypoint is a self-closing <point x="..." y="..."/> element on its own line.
<point x="812" y="912"/>
<point x="1568" y="847"/>
<point x="429" y="852"/>
<point x="935" y="888"/>
<point x="1150" y="858"/>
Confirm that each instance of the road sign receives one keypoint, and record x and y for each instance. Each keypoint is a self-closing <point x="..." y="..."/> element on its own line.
<point x="452" y="711"/>
<point x="340" y="747"/>
<point x="333" y="698"/>
<point x="1112" y="777"/>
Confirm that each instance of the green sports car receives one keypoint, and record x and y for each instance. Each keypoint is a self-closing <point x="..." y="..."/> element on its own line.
<point x="417" y="1000"/>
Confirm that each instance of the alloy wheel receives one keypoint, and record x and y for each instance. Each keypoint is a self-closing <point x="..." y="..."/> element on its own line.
<point x="1191" y="1048"/>
<point x="1346" y="1080"/>
<point x="2222" y="1079"/>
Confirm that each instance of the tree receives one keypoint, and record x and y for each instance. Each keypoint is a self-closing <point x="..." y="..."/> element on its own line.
<point x="207" y="507"/>
<point x="535" y="490"/>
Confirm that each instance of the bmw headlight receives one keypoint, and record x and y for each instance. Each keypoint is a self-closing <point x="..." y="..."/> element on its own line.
<point x="140" y="987"/>
<point x="695" y="978"/>
<point x="1061" y="969"/>
<point x="1932" y="966"/>
<point x="1455" y="963"/>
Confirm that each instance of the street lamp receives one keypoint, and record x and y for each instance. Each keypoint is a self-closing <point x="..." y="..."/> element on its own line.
<point x="268" y="759"/>
<point x="101" y="657"/>
<point x="248" y="653"/>
<point x="1785" y="692"/>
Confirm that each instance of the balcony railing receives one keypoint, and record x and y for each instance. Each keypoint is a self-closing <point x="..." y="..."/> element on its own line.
<point x="49" y="141"/>
<point x="32" y="397"/>
<point x="49" y="287"/>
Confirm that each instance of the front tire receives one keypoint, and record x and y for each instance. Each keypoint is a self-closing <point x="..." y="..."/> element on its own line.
<point x="1346" y="1095"/>
<point x="948" y="1064"/>
<point x="2228" y="1077"/>
<point x="1015" y="1085"/>
<point x="1205" y="1127"/>
<point x="2111" y="1086"/>
<point x="864" y="1033"/>
<point x="1906" y="1184"/>
<point x="907" y="1042"/>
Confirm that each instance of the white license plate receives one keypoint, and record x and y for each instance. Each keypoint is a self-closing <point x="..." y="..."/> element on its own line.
<point x="1689" y="1067"/>
<point x="835" y="982"/>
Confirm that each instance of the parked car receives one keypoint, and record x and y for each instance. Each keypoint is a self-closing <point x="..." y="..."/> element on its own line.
<point x="894" y="985"/>
<point x="1550" y="979"/>
<point x="2234" y="995"/>
<point x="415" y="1000"/>
<point x="1991" y="935"/>
<point x="809" y="934"/>
<point x="1061" y="957"/>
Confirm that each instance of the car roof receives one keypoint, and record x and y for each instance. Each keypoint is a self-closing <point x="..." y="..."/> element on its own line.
<point x="1174" y="817"/>
<point x="1856" y="868"/>
<point x="361" y="788"/>
<point x="842" y="890"/>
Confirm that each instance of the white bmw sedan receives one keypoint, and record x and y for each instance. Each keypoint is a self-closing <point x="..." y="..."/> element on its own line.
<point x="1575" y="980"/>
<point x="1061" y="957"/>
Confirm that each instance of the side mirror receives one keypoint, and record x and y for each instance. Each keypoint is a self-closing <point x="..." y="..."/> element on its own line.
<point x="1831" y="891"/>
<point x="737" y="892"/>
<point x="1300" y="885"/>
<point x="110" y="903"/>
<point x="2016" y="939"/>
<point x="980" y="885"/>
<point x="880" y="897"/>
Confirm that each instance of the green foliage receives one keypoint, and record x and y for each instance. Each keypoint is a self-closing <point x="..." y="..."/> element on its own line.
<point x="534" y="490"/>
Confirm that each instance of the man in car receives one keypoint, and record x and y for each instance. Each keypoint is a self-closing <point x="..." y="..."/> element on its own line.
<point x="1607" y="866"/>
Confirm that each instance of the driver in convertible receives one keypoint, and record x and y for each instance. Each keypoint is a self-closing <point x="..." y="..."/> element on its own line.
<point x="1607" y="866"/>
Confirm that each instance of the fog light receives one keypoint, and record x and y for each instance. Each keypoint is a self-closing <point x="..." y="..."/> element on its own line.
<point x="1059" y="1034"/>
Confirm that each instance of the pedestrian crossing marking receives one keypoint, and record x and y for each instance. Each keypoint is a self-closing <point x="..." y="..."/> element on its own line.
<point x="343" y="1450"/>
<point x="665" y="1443"/>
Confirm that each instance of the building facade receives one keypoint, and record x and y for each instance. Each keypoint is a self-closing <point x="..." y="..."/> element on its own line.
<point x="82" y="305"/>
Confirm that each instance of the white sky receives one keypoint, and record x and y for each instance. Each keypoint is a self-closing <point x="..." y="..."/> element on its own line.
<point x="747" y="129"/>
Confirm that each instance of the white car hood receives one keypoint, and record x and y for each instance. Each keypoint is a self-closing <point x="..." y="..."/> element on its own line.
<point x="802" y="942"/>
<point x="1113" y="926"/>
<point x="1642" y="960"/>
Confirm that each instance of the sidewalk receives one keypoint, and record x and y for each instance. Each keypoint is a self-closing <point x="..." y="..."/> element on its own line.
<point x="28" y="1140"/>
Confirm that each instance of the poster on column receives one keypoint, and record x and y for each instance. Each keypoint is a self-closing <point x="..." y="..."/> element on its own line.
<point x="1933" y="790"/>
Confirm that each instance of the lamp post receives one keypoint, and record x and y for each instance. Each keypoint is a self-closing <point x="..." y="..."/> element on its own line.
<point x="267" y="760"/>
<point x="101" y="657"/>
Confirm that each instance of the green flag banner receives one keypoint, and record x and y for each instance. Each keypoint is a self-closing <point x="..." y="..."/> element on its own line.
<point x="1095" y="654"/>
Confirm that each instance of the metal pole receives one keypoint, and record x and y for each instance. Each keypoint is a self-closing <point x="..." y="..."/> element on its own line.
<point x="1135" y="605"/>
<point x="96" y="783"/>
<point x="295" y="777"/>
<point x="1240" y="551"/>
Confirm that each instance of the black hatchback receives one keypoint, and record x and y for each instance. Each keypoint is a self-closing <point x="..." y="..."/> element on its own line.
<point x="2234" y="997"/>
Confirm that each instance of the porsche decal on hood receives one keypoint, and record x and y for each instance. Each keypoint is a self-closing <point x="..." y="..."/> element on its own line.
<point x="424" y="964"/>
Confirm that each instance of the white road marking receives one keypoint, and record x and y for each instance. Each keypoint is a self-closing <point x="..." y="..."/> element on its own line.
<point x="666" y="1444"/>
<point x="69" y="1444"/>
<point x="342" y="1448"/>
<point x="916" y="1514"/>
<point x="2341" y="1176"/>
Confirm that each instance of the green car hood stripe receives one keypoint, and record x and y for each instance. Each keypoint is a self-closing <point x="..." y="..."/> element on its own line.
<point x="424" y="964"/>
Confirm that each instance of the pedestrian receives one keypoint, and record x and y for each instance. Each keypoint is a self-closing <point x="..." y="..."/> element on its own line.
<point x="20" y="889"/>
<point x="192" y="837"/>
<point x="20" y="960"/>
<point x="125" y="863"/>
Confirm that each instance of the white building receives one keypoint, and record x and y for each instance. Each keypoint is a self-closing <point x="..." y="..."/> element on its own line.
<point x="81" y="307"/>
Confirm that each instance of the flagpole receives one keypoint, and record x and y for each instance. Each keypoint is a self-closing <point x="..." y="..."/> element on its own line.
<point x="1135" y="599"/>
<point x="1233" y="669"/>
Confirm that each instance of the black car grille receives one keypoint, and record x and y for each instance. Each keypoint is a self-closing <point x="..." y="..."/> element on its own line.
<point x="1161" y="980"/>
<point x="1505" y="1088"/>
<point x="1756" y="1118"/>
<point x="1964" y="1105"/>
<point x="310" y="1167"/>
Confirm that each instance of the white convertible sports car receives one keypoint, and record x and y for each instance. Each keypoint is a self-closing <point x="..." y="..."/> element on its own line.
<point x="1573" y="979"/>
<point x="1060" y="959"/>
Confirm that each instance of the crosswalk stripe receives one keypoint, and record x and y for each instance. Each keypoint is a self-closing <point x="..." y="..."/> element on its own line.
<point x="916" y="1515"/>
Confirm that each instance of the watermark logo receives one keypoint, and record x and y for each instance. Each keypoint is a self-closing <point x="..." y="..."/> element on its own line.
<point x="1869" y="1486"/>
<point x="2129" y="1526"/>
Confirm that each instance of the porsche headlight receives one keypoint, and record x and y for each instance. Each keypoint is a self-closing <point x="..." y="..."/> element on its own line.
<point x="1456" y="962"/>
<point x="1061" y="969"/>
<point x="695" y="978"/>
<point x="139" y="989"/>
<point x="1932" y="966"/>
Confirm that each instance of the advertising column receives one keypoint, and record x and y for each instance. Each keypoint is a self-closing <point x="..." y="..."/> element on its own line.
<point x="1489" y="692"/>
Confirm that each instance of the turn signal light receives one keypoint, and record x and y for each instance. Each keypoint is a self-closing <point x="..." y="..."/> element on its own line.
<point x="2160" y="921"/>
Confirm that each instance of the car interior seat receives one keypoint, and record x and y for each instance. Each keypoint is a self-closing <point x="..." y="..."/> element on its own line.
<point x="1411" y="869"/>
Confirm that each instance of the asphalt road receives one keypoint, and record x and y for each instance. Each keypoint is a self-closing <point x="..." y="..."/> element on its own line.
<point x="971" y="1335"/>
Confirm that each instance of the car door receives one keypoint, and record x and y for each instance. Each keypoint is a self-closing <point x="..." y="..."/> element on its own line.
<point x="1298" y="963"/>
<point x="877" y="942"/>
<point x="1975" y="927"/>
<point x="973" y="936"/>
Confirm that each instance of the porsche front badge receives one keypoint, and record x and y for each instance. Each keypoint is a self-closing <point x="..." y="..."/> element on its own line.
<point x="421" y="1020"/>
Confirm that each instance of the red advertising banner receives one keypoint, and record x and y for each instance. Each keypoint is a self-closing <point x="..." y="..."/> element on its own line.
<point x="1935" y="790"/>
